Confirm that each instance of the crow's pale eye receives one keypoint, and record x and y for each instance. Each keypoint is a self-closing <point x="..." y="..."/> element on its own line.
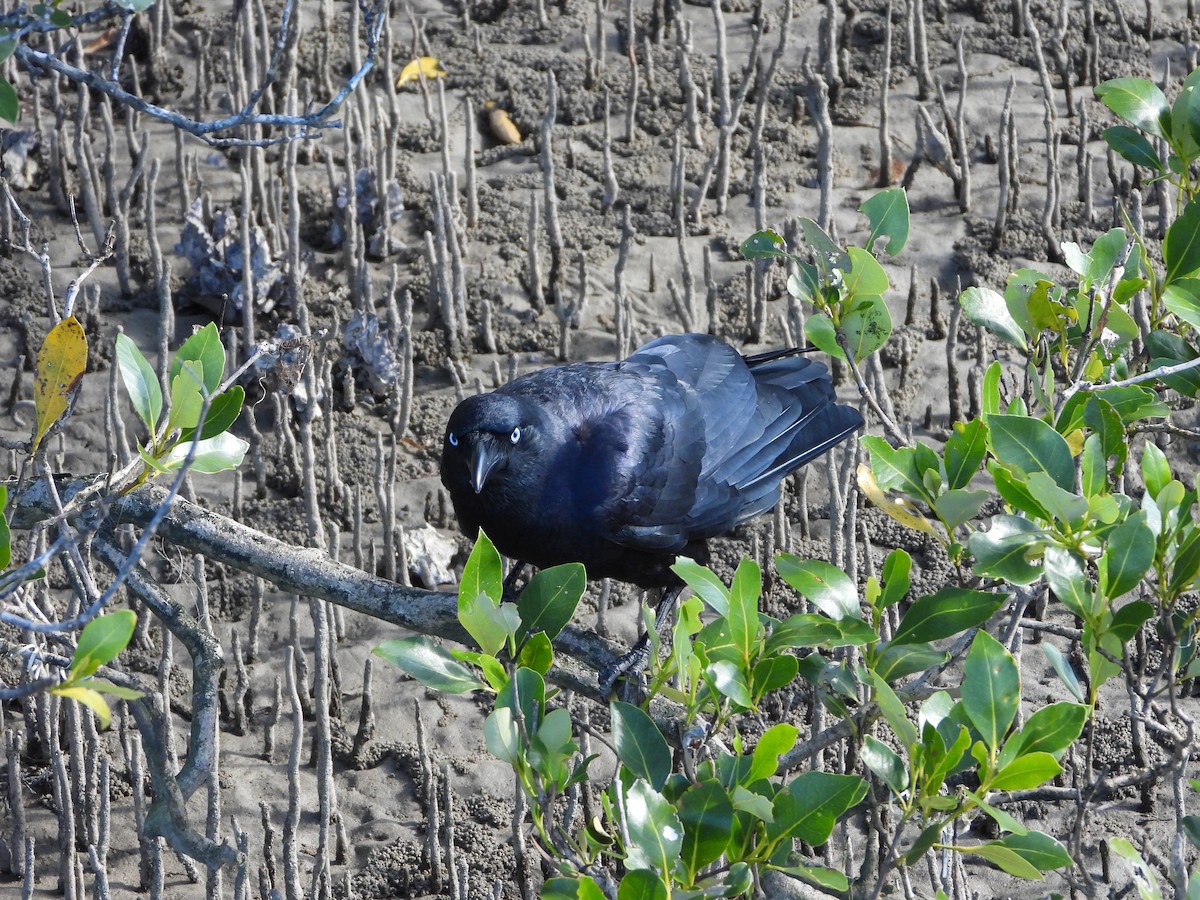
<point x="452" y="438"/>
<point x="515" y="436"/>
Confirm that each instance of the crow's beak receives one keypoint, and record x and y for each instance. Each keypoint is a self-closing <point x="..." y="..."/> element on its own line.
<point x="484" y="458"/>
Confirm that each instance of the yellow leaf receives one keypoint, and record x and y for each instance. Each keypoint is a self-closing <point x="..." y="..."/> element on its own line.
<point x="428" y="66"/>
<point x="89" y="698"/>
<point x="1075" y="441"/>
<point x="900" y="510"/>
<point x="61" y="362"/>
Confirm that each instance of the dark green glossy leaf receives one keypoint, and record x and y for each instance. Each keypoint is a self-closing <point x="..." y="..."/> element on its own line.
<point x="898" y="660"/>
<point x="549" y="600"/>
<point x="10" y="105"/>
<point x="811" y="804"/>
<point x="896" y="581"/>
<point x="964" y="452"/>
<point x="772" y="673"/>
<point x="1051" y="729"/>
<point x="1181" y="249"/>
<point x="204" y="347"/>
<point x="706" y="813"/>
<point x="1030" y="445"/>
<point x="948" y="612"/>
<point x="742" y="617"/>
<point x="1133" y="146"/>
<point x="1127" y="557"/>
<point x="222" y="413"/>
<point x="640" y="745"/>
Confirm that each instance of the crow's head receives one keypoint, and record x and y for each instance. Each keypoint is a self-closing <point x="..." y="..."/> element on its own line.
<point x="487" y="435"/>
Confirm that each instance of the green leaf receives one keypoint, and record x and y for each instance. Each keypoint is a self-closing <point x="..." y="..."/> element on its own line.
<point x="216" y="454"/>
<point x="986" y="307"/>
<point x="898" y="660"/>
<point x="1182" y="297"/>
<point x="525" y="693"/>
<point x="885" y="763"/>
<point x="742" y="618"/>
<point x="1156" y="471"/>
<point x="204" y="347"/>
<point x="537" y="654"/>
<point x="763" y="245"/>
<point x="811" y="804"/>
<point x="814" y="630"/>
<point x="895" y="469"/>
<point x="655" y="833"/>
<point x="867" y="325"/>
<point x="888" y="213"/>
<point x="1133" y="146"/>
<point x="957" y="507"/>
<point x="827" y="587"/>
<point x="483" y="573"/>
<point x="100" y="642"/>
<point x="1181" y="248"/>
<point x="107" y="687"/>
<point x="640" y="745"/>
<point x="1030" y="445"/>
<point x="642" y="884"/>
<point x="1139" y="102"/>
<point x="944" y="614"/>
<point x="90" y="698"/>
<point x="187" y="397"/>
<point x="730" y="680"/>
<point x="831" y="879"/>
<point x="222" y="413"/>
<point x="1062" y="667"/>
<point x="865" y="277"/>
<point x="1008" y="860"/>
<point x="706" y="813"/>
<point x="581" y="887"/>
<point x="964" y="452"/>
<point x="135" y="6"/>
<point x="1068" y="507"/>
<point x="1027" y="771"/>
<point x="771" y="674"/>
<point x="491" y="625"/>
<point x="894" y="712"/>
<point x="1051" y="729"/>
<point x="776" y="741"/>
<point x="502" y="737"/>
<point x="704" y="582"/>
<point x="1038" y="849"/>
<point x="1128" y="555"/>
<point x="821" y="334"/>
<point x="140" y="382"/>
<point x="991" y="688"/>
<point x="1065" y="575"/>
<point x="549" y="601"/>
<point x="896" y="580"/>
<point x="430" y="664"/>
<point x="10" y="105"/>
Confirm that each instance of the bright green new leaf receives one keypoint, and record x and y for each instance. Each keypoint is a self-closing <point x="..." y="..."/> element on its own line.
<point x="501" y="735"/>
<point x="100" y="642"/>
<point x="888" y="213"/>
<point x="492" y="625"/>
<point x="187" y="397"/>
<point x="90" y="698"/>
<point x="895" y="468"/>
<point x="203" y="347"/>
<point x="430" y="664"/>
<point x="776" y="741"/>
<point x="640" y="745"/>
<point x="742" y="617"/>
<point x="821" y="334"/>
<point x="704" y="582"/>
<point x="991" y="688"/>
<point x="1026" y="772"/>
<point x="483" y="573"/>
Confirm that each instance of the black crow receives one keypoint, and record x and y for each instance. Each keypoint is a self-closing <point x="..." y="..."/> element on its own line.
<point x="623" y="466"/>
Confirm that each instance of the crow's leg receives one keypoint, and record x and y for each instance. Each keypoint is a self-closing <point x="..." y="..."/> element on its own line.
<point x="635" y="661"/>
<point x="510" y="581"/>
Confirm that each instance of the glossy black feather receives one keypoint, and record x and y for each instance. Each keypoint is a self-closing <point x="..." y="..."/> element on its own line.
<point x="623" y="466"/>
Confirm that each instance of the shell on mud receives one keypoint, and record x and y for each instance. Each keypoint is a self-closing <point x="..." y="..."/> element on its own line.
<point x="500" y="122"/>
